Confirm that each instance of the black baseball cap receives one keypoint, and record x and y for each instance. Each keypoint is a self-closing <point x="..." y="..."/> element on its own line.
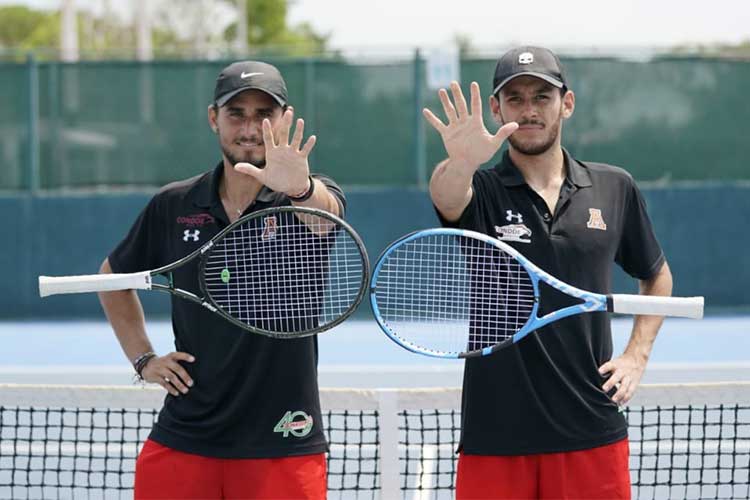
<point x="246" y="75"/>
<point x="533" y="61"/>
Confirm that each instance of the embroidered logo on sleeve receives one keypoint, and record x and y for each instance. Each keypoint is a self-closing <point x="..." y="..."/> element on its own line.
<point x="596" y="221"/>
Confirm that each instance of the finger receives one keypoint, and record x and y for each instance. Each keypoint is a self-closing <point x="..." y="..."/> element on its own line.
<point x="305" y="151"/>
<point x="181" y="374"/>
<point x="622" y="390"/>
<point x="166" y="382"/>
<point x="629" y="393"/>
<point x="433" y="120"/>
<point x="286" y="125"/>
<point x="181" y="356"/>
<point x="177" y="380"/>
<point x="459" y="99"/>
<point x="610" y="383"/>
<point x="616" y="380"/>
<point x="476" y="100"/>
<point x="450" y="111"/>
<point x="248" y="169"/>
<point x="504" y="132"/>
<point x="268" y="139"/>
<point x="606" y="368"/>
<point x="298" y="134"/>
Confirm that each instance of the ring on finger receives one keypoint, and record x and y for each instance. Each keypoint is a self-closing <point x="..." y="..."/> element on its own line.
<point x="166" y="379"/>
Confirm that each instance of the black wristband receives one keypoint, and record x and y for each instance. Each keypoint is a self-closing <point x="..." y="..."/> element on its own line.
<point x="307" y="194"/>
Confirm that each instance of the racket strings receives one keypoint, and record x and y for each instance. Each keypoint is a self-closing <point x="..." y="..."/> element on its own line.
<point x="282" y="275"/>
<point x="453" y="294"/>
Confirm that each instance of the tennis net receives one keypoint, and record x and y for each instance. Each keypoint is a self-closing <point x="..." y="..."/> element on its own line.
<point x="686" y="440"/>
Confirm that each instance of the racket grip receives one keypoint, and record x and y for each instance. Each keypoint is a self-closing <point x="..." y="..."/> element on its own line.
<point x="685" y="307"/>
<point x="51" y="285"/>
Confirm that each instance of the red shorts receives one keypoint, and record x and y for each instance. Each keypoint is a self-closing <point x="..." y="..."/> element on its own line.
<point x="601" y="472"/>
<point x="162" y="472"/>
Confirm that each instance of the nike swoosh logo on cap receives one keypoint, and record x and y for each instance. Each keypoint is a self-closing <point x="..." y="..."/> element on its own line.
<point x="248" y="75"/>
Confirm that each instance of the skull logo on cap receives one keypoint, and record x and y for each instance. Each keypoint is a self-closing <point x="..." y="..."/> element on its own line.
<point x="526" y="58"/>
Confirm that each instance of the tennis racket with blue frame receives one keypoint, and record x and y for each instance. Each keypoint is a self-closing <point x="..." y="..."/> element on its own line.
<point x="453" y="293"/>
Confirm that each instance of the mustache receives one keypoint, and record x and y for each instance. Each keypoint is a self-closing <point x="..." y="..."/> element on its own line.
<point x="255" y="141"/>
<point x="530" y="122"/>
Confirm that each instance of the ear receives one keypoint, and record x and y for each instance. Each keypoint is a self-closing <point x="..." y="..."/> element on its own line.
<point x="495" y="108"/>
<point x="212" y="116"/>
<point x="568" y="104"/>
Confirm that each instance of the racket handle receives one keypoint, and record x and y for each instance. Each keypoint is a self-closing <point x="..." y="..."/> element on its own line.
<point x="51" y="285"/>
<point x="685" y="307"/>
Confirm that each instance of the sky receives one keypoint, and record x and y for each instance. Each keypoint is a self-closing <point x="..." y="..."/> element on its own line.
<point x="575" y="23"/>
<point x="588" y="24"/>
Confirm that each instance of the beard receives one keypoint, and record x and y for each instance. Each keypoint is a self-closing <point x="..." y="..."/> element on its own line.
<point x="532" y="148"/>
<point x="247" y="157"/>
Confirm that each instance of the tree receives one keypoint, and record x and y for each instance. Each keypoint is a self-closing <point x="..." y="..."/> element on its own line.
<point x="23" y="29"/>
<point x="268" y="29"/>
<point x="740" y="50"/>
<point x="465" y="45"/>
<point x="189" y="28"/>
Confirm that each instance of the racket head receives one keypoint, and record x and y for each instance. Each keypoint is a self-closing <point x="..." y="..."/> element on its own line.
<point x="285" y="272"/>
<point x="452" y="293"/>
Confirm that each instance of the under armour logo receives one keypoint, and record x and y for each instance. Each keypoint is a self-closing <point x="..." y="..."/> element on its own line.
<point x="526" y="58"/>
<point x="509" y="216"/>
<point x="190" y="234"/>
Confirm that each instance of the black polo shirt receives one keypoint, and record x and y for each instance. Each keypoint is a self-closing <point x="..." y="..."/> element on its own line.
<point x="247" y="386"/>
<point x="544" y="394"/>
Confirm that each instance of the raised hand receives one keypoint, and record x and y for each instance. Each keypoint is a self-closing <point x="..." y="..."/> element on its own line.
<point x="287" y="170"/>
<point x="465" y="137"/>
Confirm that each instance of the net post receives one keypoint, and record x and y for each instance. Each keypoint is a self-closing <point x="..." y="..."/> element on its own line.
<point x="419" y="133"/>
<point x="32" y="106"/>
<point x="388" y="432"/>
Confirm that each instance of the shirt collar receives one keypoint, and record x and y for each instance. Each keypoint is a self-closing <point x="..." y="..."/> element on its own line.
<point x="576" y="173"/>
<point x="205" y="193"/>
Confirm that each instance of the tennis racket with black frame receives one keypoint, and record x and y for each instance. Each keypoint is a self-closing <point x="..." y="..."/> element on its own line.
<point x="284" y="272"/>
<point x="453" y="293"/>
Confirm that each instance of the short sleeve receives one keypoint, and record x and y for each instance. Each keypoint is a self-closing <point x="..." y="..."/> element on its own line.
<point x="470" y="217"/>
<point x="334" y="189"/>
<point x="639" y="253"/>
<point x="139" y="250"/>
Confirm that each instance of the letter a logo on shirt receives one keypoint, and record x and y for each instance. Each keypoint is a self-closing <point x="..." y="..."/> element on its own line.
<point x="269" y="228"/>
<point x="595" y="220"/>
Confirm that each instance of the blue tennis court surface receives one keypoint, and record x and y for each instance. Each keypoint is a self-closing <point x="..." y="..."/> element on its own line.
<point x="357" y="354"/>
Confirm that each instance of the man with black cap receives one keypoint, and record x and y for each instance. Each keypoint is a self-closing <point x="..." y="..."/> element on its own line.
<point x="229" y="427"/>
<point x="542" y="419"/>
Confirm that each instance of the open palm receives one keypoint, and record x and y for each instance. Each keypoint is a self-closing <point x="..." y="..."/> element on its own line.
<point x="465" y="137"/>
<point x="287" y="169"/>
